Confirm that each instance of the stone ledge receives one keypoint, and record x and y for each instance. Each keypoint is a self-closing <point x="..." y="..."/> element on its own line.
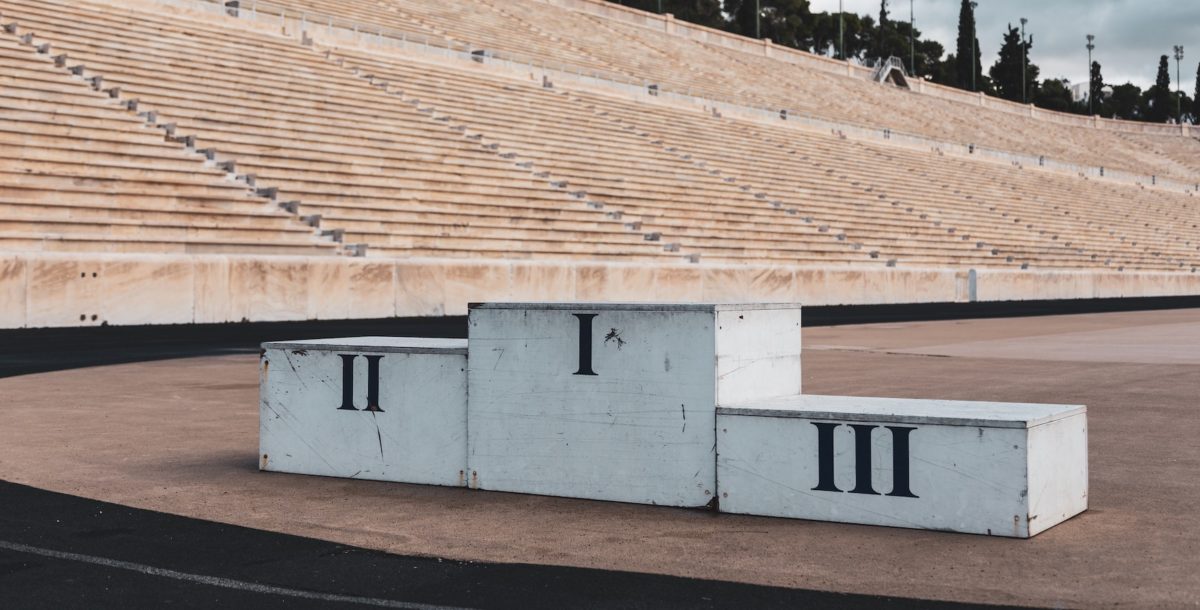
<point x="56" y="289"/>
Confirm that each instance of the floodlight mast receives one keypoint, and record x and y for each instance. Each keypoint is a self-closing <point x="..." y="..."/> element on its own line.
<point x="841" y="30"/>
<point x="758" y="19"/>
<point x="1090" y="47"/>
<point x="1178" y="85"/>
<point x="974" y="45"/>
<point x="912" y="38"/>
<point x="1024" y="61"/>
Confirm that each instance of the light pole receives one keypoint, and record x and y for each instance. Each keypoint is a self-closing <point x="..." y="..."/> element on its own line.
<point x="1090" y="47"/>
<point x="758" y="19"/>
<point x="1024" y="60"/>
<point x="974" y="46"/>
<point x="912" y="38"/>
<point x="1178" y="85"/>
<point x="841" y="30"/>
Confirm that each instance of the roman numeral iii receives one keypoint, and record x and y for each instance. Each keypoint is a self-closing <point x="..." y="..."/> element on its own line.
<point x="862" y="460"/>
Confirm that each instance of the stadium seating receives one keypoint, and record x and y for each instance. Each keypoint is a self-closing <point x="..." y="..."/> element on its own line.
<point x="575" y="40"/>
<point x="77" y="173"/>
<point x="787" y="201"/>
<point x="415" y="156"/>
<point x="380" y="171"/>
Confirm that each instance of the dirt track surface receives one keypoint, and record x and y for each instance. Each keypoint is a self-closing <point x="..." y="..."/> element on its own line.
<point x="180" y="436"/>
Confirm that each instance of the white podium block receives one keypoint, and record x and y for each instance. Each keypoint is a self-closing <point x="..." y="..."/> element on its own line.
<point x="382" y="408"/>
<point x="616" y="401"/>
<point x="1000" y="469"/>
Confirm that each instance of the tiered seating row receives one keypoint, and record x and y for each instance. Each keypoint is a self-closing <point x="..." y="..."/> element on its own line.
<point x="78" y="173"/>
<point x="689" y="206"/>
<point x="546" y="32"/>
<point x="351" y="153"/>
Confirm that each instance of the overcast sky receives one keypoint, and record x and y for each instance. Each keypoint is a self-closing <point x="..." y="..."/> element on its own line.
<point x="1130" y="34"/>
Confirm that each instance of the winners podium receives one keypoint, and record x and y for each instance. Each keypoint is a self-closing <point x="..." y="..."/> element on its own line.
<point x="689" y="405"/>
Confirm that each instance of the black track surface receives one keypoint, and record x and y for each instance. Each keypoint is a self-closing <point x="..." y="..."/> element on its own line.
<point x="57" y="522"/>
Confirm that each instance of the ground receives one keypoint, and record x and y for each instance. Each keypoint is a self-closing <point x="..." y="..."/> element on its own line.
<point x="180" y="436"/>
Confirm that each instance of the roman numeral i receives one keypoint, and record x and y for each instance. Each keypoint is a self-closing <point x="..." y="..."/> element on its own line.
<point x="862" y="460"/>
<point x="585" y="343"/>
<point x="348" y="383"/>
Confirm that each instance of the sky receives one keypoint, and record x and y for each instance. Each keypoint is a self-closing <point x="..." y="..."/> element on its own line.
<point x="1130" y="34"/>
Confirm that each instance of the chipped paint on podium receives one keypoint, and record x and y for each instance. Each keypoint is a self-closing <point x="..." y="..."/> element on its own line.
<point x="616" y="401"/>
<point x="382" y="408"/>
<point x="1000" y="469"/>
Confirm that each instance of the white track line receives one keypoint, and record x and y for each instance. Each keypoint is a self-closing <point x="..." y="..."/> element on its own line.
<point x="213" y="581"/>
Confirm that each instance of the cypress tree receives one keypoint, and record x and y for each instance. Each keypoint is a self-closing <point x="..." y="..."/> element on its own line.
<point x="1196" y="98"/>
<point x="1161" y="101"/>
<point x="1096" y="88"/>
<point x="1006" y="72"/>
<point x="966" y="53"/>
<point x="881" y="46"/>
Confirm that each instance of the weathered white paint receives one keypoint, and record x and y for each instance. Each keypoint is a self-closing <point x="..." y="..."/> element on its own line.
<point x="418" y="437"/>
<point x="1001" y="469"/>
<point x="641" y="428"/>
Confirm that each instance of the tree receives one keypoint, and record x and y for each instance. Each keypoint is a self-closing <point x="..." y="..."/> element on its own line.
<point x="1096" y="89"/>
<point x="1196" y="99"/>
<point x="1055" y="94"/>
<point x="967" y="67"/>
<point x="946" y="72"/>
<point x="786" y="22"/>
<point x="1125" y="101"/>
<point x="881" y="42"/>
<point x="702" y="12"/>
<point x="1007" y="72"/>
<point x="1160" y="101"/>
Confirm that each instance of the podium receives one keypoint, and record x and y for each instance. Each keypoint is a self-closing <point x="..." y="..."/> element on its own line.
<point x="1002" y="469"/>
<point x="616" y="401"/>
<point x="382" y="408"/>
<point x="686" y="405"/>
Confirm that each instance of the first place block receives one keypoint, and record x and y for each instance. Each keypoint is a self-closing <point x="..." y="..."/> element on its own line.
<point x="382" y="408"/>
<point x="616" y="401"/>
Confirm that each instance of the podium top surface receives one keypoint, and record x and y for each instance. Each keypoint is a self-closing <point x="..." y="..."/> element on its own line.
<point x="909" y="411"/>
<point x="399" y="345"/>
<point x="634" y="306"/>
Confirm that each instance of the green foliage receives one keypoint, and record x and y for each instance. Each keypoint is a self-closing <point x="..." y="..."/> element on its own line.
<point x="1196" y="99"/>
<point x="1096" y="90"/>
<point x="1055" y="94"/>
<point x="1125" y="103"/>
<point x="703" y="12"/>
<point x="783" y="21"/>
<point x="967" y="62"/>
<point x="1158" y="103"/>
<point x="822" y="35"/>
<point x="1006" y="73"/>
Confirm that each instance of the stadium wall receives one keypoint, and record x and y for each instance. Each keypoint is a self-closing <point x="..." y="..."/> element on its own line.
<point x="67" y="289"/>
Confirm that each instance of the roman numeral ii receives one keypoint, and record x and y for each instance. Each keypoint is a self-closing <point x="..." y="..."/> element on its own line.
<point x="372" y="383"/>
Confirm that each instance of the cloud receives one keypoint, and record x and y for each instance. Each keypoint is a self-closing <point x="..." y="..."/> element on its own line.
<point x="1130" y="34"/>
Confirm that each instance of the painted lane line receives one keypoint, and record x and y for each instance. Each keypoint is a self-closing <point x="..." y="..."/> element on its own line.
<point x="214" y="581"/>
